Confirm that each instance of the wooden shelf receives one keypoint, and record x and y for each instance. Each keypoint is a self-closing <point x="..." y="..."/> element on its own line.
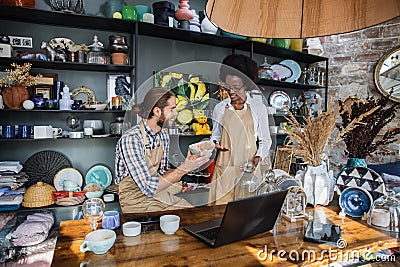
<point x="68" y="65"/>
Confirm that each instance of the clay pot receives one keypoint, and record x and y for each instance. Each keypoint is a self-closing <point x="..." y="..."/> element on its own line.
<point x="118" y="58"/>
<point x="15" y="96"/>
<point x="117" y="44"/>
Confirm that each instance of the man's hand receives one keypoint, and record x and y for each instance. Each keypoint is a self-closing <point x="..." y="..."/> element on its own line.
<point x="256" y="160"/>
<point x="192" y="162"/>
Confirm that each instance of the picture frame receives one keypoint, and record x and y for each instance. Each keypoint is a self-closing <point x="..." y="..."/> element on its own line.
<point x="45" y="90"/>
<point x="45" y="85"/>
<point x="119" y="84"/>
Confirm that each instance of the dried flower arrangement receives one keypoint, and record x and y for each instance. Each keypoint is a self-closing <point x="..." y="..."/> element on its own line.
<point x="19" y="76"/>
<point x="310" y="139"/>
<point x="365" y="141"/>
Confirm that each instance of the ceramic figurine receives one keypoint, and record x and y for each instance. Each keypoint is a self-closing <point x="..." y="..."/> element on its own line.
<point x="53" y="54"/>
<point x="195" y="22"/>
<point x="184" y="15"/>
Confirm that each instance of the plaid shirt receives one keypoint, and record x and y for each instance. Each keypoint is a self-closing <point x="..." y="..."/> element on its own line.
<point x="130" y="158"/>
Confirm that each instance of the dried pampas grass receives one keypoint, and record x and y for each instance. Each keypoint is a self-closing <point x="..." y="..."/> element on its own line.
<point x="310" y="139"/>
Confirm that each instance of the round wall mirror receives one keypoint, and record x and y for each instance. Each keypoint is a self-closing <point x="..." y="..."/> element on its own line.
<point x="387" y="74"/>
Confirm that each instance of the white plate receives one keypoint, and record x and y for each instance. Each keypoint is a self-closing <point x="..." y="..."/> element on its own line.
<point x="313" y="99"/>
<point x="279" y="100"/>
<point x="283" y="71"/>
<point x="100" y="135"/>
<point x="295" y="68"/>
<point x="70" y="174"/>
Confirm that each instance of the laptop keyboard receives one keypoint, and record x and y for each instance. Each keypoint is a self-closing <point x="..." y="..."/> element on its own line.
<point x="210" y="234"/>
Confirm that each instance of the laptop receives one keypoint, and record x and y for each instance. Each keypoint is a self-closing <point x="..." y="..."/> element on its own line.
<point x="242" y="218"/>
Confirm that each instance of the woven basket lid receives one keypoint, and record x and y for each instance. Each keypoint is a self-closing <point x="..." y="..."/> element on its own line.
<point x="38" y="195"/>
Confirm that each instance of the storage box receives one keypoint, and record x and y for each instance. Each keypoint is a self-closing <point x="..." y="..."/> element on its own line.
<point x="5" y="50"/>
<point x="25" y="3"/>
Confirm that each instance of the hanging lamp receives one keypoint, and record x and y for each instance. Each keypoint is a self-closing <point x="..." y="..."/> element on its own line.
<point x="299" y="18"/>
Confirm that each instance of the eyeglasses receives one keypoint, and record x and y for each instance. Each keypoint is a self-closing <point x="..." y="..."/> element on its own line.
<point x="229" y="88"/>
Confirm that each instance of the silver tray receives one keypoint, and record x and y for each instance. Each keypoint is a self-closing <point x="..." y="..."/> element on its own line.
<point x="279" y="100"/>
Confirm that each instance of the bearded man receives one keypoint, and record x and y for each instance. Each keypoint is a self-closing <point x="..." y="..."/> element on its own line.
<point x="141" y="158"/>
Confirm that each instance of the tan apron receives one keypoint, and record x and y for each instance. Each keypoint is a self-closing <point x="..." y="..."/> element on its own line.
<point x="238" y="135"/>
<point x="132" y="200"/>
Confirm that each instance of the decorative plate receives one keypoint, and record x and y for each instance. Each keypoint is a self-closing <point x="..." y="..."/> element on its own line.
<point x="313" y="99"/>
<point x="355" y="201"/>
<point x="294" y="67"/>
<point x="361" y="177"/>
<point x="83" y="93"/>
<point x="43" y="166"/>
<point x="62" y="44"/>
<point x="279" y="100"/>
<point x="100" y="175"/>
<point x="70" y="174"/>
<point x="282" y="71"/>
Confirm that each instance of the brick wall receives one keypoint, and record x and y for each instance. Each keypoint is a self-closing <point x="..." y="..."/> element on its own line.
<point x="352" y="60"/>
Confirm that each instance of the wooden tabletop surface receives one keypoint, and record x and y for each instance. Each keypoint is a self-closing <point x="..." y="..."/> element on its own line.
<point x="154" y="248"/>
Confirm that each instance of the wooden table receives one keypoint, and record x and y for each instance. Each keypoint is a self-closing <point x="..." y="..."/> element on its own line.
<point x="157" y="249"/>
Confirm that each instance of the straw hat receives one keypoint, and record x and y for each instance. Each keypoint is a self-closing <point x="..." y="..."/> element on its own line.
<point x="38" y="195"/>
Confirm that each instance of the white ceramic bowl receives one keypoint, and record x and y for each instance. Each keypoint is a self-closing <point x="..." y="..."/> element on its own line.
<point x="131" y="228"/>
<point x="169" y="224"/>
<point x="93" y="194"/>
<point x="96" y="106"/>
<point x="204" y="147"/>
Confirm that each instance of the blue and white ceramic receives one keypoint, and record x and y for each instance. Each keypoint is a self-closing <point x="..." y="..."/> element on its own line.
<point x="111" y="220"/>
<point x="355" y="201"/>
<point x="100" y="175"/>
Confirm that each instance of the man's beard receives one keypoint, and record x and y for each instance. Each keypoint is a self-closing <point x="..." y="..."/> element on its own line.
<point x="161" y="121"/>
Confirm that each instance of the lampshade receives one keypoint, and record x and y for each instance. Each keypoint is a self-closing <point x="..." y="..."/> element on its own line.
<point x="299" y="18"/>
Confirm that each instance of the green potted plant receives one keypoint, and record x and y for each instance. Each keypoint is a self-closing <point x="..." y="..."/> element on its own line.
<point x="16" y="82"/>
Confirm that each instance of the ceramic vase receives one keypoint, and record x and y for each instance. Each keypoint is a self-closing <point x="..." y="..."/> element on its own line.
<point x="318" y="184"/>
<point x="207" y="26"/>
<point x="14" y="96"/>
<point x="112" y="6"/>
<point x="184" y="15"/>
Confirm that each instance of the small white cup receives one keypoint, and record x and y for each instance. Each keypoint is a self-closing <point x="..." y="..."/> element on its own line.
<point x="131" y="228"/>
<point x="169" y="224"/>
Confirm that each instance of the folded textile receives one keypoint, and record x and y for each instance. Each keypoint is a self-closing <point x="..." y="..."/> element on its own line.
<point x="11" y="200"/>
<point x="13" y="166"/>
<point x="33" y="230"/>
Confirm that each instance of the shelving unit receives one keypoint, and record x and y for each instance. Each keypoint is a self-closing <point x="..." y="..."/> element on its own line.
<point x="135" y="30"/>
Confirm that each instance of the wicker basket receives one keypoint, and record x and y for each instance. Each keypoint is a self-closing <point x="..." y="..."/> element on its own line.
<point x="38" y="195"/>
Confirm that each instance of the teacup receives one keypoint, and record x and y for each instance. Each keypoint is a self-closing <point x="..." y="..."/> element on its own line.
<point x="169" y="224"/>
<point x="57" y="132"/>
<point x="110" y="220"/>
<point x="99" y="241"/>
<point x="70" y="186"/>
<point x="131" y="228"/>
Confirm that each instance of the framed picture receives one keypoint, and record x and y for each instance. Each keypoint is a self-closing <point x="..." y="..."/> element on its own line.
<point x="45" y="85"/>
<point x="119" y="87"/>
<point x="45" y="90"/>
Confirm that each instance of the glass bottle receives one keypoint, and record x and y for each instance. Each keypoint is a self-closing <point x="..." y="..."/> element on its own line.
<point x="116" y="126"/>
<point x="264" y="69"/>
<point x="385" y="213"/>
<point x="246" y="183"/>
<point x="268" y="185"/>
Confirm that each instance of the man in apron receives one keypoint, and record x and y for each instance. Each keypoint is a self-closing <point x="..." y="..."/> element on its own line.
<point x="141" y="158"/>
<point x="240" y="128"/>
